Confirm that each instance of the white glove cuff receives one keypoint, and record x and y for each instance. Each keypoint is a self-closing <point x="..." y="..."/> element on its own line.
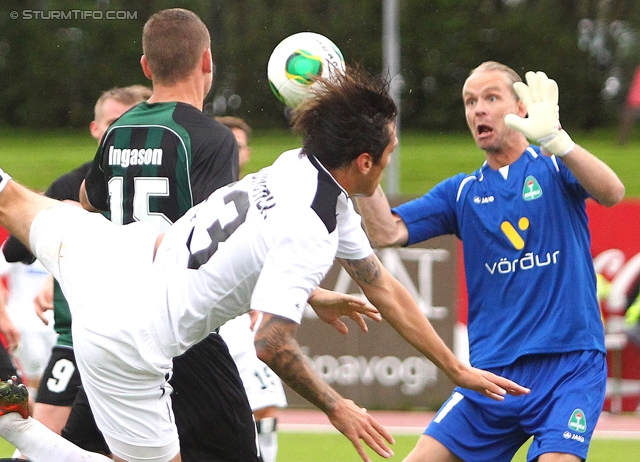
<point x="560" y="145"/>
<point x="4" y="179"/>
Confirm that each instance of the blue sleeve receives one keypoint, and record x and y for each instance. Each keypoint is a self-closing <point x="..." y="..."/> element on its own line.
<point x="433" y="214"/>
<point x="571" y="182"/>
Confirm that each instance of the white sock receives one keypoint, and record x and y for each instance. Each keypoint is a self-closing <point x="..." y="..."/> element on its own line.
<point x="39" y="444"/>
<point x="268" y="446"/>
<point x="4" y="179"/>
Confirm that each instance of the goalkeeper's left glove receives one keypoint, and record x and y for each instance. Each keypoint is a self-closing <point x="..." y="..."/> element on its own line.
<point x="540" y="97"/>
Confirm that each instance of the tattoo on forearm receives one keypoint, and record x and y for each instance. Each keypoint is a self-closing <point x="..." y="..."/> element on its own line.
<point x="365" y="270"/>
<point x="287" y="360"/>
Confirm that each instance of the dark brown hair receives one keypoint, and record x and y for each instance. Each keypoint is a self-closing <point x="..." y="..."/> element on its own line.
<point x="346" y="115"/>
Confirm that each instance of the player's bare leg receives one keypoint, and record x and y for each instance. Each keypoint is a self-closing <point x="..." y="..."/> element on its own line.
<point x="53" y="417"/>
<point x="19" y="206"/>
<point x="428" y="449"/>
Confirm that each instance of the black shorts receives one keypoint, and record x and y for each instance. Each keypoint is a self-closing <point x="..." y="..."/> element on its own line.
<point x="61" y="379"/>
<point x="212" y="412"/>
<point x="81" y="428"/>
<point x="7" y="367"/>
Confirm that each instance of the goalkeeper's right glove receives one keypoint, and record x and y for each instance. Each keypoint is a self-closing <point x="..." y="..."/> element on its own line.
<point x="540" y="97"/>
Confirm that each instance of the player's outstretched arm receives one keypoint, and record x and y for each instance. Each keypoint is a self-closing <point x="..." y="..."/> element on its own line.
<point x="277" y="347"/>
<point x="542" y="125"/>
<point x="383" y="228"/>
<point x="330" y="306"/>
<point x="402" y="312"/>
<point x="19" y="206"/>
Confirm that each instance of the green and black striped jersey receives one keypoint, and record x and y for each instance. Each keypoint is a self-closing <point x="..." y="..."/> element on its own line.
<point x="158" y="160"/>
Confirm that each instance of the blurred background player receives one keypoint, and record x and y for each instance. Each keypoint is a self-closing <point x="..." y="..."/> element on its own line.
<point x="630" y="109"/>
<point x="9" y="336"/>
<point x="36" y="337"/>
<point x="263" y="386"/>
<point x="242" y="132"/>
<point x="61" y="379"/>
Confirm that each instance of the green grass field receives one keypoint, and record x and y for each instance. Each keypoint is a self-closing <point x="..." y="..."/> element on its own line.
<point x="37" y="158"/>
<point x="333" y="447"/>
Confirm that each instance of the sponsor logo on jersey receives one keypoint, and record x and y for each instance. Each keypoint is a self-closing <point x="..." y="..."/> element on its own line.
<point x="528" y="260"/>
<point x="577" y="421"/>
<point x="531" y="189"/>
<point x="572" y="436"/>
<point x="483" y="200"/>
<point x="510" y="231"/>
<point x="125" y="157"/>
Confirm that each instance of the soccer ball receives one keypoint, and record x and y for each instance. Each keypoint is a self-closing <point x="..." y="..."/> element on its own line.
<point x="297" y="61"/>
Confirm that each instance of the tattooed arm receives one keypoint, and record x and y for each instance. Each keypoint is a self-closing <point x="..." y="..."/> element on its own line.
<point x="401" y="311"/>
<point x="276" y="346"/>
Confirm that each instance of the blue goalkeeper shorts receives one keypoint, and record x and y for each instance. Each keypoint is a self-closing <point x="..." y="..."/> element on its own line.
<point x="560" y="412"/>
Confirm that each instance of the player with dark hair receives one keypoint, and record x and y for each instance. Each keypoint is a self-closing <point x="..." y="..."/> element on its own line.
<point x="533" y="312"/>
<point x="262" y="243"/>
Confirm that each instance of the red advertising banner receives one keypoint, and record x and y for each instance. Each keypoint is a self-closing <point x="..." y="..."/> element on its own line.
<point x="615" y="246"/>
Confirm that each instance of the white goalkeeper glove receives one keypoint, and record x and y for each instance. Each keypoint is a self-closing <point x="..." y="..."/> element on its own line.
<point x="540" y="97"/>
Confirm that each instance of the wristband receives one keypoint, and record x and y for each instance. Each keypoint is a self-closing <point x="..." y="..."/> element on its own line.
<point x="560" y="145"/>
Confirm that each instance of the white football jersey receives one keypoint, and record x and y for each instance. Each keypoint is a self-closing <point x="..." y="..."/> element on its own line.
<point x="263" y="243"/>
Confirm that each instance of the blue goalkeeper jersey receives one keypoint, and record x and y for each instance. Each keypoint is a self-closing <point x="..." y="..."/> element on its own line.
<point x="530" y="276"/>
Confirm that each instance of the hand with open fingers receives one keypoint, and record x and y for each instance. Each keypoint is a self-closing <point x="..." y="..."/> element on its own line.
<point x="489" y="384"/>
<point x="330" y="306"/>
<point x="359" y="426"/>
<point x="542" y="125"/>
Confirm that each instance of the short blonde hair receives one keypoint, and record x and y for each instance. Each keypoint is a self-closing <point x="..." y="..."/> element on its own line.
<point x="128" y="96"/>
<point x="509" y="73"/>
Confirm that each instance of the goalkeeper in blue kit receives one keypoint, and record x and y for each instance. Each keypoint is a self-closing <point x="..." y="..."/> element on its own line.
<point x="533" y="312"/>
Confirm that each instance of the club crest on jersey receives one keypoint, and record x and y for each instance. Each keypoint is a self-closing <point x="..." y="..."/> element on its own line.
<point x="531" y="189"/>
<point x="577" y="421"/>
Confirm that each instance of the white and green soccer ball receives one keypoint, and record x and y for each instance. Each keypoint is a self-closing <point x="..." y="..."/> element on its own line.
<point x="298" y="61"/>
